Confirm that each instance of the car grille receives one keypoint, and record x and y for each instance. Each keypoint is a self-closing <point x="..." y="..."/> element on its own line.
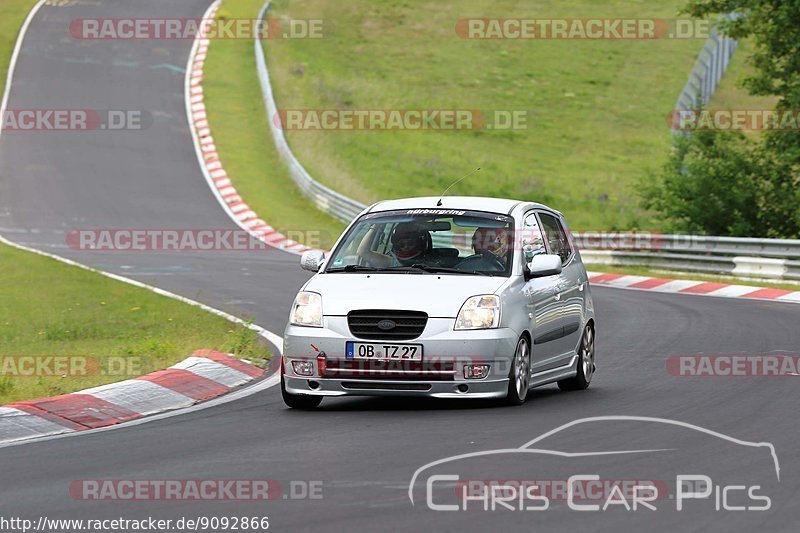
<point x="362" y="369"/>
<point x="408" y="325"/>
<point x="355" y="385"/>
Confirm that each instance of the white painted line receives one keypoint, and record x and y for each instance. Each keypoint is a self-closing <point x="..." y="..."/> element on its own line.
<point x="12" y="65"/>
<point x="198" y="123"/>
<point x="274" y="339"/>
<point x="20" y="418"/>
<point x="40" y="429"/>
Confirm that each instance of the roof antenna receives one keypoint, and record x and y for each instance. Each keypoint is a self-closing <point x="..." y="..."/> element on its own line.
<point x="465" y="176"/>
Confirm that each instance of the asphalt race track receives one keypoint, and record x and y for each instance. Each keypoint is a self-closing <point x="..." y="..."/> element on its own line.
<point x="364" y="451"/>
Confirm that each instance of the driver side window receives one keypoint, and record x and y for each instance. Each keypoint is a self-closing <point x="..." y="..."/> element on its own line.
<point x="557" y="238"/>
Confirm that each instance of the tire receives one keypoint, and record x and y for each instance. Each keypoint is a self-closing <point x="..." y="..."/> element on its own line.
<point x="299" y="401"/>
<point x="519" y="376"/>
<point x="586" y="363"/>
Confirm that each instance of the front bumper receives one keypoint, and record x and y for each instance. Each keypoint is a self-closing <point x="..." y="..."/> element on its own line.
<point x="440" y="375"/>
<point x="384" y="387"/>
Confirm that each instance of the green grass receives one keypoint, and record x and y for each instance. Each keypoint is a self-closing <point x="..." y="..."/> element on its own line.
<point x="243" y="139"/>
<point x="48" y="308"/>
<point x="661" y="273"/>
<point x="598" y="108"/>
<point x="12" y="15"/>
<point x="730" y="94"/>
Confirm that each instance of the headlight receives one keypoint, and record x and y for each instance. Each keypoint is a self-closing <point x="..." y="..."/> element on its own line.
<point x="479" y="312"/>
<point x="307" y="310"/>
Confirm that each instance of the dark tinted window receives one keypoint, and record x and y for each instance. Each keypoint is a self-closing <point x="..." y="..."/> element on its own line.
<point x="556" y="236"/>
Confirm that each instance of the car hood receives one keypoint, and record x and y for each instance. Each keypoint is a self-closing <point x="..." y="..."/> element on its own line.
<point x="439" y="296"/>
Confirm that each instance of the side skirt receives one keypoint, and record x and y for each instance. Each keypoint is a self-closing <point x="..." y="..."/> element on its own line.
<point x="555" y="374"/>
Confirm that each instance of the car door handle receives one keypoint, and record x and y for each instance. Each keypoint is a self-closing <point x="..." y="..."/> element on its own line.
<point x="558" y="296"/>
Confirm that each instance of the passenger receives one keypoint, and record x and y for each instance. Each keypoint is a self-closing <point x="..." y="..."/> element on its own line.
<point x="492" y="247"/>
<point x="409" y="245"/>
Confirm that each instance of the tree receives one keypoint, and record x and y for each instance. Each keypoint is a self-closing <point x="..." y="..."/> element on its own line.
<point x="721" y="183"/>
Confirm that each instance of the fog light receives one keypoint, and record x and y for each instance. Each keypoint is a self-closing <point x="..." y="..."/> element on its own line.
<point x="476" y="371"/>
<point x="303" y="368"/>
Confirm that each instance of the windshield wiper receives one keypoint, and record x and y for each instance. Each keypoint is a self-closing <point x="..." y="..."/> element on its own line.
<point x="437" y="269"/>
<point x="355" y="268"/>
<point x="417" y="267"/>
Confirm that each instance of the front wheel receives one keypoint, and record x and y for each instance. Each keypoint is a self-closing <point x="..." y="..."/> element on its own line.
<point x="299" y="401"/>
<point x="520" y="374"/>
<point x="586" y="364"/>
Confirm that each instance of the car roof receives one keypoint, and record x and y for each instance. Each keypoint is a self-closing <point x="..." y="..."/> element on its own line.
<point x="474" y="203"/>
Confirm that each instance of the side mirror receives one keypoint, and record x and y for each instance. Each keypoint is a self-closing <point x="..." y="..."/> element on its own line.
<point x="311" y="260"/>
<point x="542" y="266"/>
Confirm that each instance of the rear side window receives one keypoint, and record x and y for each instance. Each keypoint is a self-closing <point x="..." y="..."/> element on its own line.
<point x="556" y="237"/>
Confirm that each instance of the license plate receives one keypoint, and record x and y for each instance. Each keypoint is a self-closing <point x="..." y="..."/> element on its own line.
<point x="382" y="351"/>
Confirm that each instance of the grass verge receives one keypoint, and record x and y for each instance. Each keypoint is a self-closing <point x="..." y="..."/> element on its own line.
<point x="103" y="328"/>
<point x="241" y="133"/>
<point x="597" y="108"/>
<point x="51" y="309"/>
<point x="730" y="94"/>
<point x="12" y="15"/>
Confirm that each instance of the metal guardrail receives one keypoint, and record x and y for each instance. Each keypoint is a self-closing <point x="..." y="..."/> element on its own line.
<point x="711" y="64"/>
<point x="742" y="267"/>
<point x="689" y="244"/>
<point x="774" y="259"/>
<point x="747" y="257"/>
<point x="326" y="199"/>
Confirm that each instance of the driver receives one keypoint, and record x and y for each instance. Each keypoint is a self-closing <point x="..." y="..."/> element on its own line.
<point x="409" y="244"/>
<point x="493" y="244"/>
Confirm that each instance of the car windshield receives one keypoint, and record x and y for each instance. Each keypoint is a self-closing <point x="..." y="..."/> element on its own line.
<point x="427" y="241"/>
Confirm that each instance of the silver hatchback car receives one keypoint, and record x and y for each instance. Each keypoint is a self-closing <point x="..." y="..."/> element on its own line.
<point x="458" y="297"/>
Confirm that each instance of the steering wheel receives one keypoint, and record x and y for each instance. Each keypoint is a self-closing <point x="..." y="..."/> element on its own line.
<point x="495" y="261"/>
